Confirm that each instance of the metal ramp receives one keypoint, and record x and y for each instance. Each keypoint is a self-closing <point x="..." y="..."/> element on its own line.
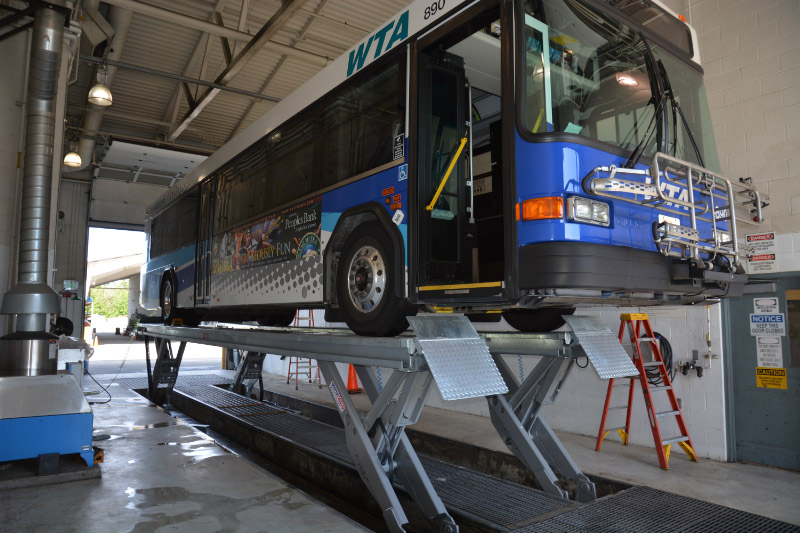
<point x="602" y="347"/>
<point x="457" y="356"/>
<point x="464" y="364"/>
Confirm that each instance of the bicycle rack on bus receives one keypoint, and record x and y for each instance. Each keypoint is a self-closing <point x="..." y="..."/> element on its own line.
<point x="699" y="194"/>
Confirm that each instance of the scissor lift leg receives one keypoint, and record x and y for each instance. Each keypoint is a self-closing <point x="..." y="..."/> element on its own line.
<point x="516" y="418"/>
<point x="408" y="469"/>
<point x="363" y="453"/>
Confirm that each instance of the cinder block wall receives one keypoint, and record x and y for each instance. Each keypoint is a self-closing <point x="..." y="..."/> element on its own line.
<point x="750" y="51"/>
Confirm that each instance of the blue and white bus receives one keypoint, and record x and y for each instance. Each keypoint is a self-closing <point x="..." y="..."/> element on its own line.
<point x="485" y="157"/>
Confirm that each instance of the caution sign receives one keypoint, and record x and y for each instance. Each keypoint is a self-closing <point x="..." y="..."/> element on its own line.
<point x="771" y="378"/>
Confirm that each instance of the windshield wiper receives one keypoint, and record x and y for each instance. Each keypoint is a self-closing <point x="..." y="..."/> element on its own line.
<point x="657" y="92"/>
<point x="639" y="150"/>
<point x="668" y="93"/>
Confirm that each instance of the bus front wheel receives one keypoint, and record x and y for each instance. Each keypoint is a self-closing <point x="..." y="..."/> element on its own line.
<point x="365" y="281"/>
<point x="540" y="320"/>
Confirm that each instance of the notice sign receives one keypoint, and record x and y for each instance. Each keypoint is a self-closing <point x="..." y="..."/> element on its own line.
<point x="763" y="259"/>
<point x="766" y="325"/>
<point x="769" y="352"/>
<point x="765" y="306"/>
<point x="771" y="378"/>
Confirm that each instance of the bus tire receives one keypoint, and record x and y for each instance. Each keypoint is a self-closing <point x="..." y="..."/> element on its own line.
<point x="365" y="284"/>
<point x="169" y="299"/>
<point x="191" y="319"/>
<point x="540" y="320"/>
<point x="277" y="319"/>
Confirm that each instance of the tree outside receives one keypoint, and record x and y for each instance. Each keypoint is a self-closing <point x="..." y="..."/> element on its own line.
<point x="111" y="300"/>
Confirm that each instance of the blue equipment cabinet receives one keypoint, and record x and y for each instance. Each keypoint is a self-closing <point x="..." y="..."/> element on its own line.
<point x="42" y="415"/>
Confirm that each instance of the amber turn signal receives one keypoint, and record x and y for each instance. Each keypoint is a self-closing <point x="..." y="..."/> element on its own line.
<point x="543" y="208"/>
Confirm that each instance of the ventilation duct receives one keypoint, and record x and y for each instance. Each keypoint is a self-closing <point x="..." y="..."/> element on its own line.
<point x="30" y="349"/>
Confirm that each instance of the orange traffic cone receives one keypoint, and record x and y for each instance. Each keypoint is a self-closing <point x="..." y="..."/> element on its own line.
<point x="352" y="381"/>
<point x="96" y="341"/>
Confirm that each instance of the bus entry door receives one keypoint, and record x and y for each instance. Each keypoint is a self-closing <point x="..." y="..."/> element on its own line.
<point x="203" y="250"/>
<point x="444" y="254"/>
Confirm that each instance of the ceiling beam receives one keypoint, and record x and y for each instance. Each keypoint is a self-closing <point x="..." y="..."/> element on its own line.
<point x="300" y="36"/>
<point x="270" y="28"/>
<point x="171" y="113"/>
<point x="213" y="86"/>
<point x="126" y="116"/>
<point x="205" y="149"/>
<point x="226" y="47"/>
<point x="243" y="13"/>
<point x="214" y="29"/>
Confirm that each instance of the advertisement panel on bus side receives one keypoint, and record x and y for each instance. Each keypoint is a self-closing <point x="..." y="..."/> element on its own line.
<point x="293" y="233"/>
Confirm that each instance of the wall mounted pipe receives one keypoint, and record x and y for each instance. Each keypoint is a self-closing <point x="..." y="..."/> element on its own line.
<point x="31" y="298"/>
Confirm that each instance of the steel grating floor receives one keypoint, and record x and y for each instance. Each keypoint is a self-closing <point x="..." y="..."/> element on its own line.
<point x="507" y="505"/>
<point x="656" y="511"/>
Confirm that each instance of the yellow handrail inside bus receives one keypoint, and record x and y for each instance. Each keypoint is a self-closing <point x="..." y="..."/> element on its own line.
<point x="429" y="207"/>
<point x="538" y="121"/>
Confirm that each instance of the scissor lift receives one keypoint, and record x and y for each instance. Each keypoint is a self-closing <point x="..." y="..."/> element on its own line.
<point x="464" y="364"/>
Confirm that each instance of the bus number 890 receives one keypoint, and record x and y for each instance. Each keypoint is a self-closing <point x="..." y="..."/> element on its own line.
<point x="434" y="7"/>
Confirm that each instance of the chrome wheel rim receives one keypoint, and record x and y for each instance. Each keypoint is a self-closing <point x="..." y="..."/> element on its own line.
<point x="366" y="279"/>
<point x="167" y="304"/>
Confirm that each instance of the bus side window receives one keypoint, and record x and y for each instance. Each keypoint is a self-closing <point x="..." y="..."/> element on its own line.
<point x="187" y="218"/>
<point x="155" y="237"/>
<point x="292" y="165"/>
<point x="359" y="121"/>
<point x="336" y="138"/>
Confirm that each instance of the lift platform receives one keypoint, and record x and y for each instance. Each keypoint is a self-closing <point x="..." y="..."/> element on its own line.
<point x="464" y="364"/>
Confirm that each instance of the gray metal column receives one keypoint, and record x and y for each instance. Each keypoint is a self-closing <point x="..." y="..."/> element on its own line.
<point x="31" y="299"/>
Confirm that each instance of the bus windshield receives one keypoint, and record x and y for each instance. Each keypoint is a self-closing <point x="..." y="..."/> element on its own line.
<point x="589" y="74"/>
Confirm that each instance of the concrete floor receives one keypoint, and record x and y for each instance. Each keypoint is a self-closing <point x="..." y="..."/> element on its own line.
<point x="162" y="475"/>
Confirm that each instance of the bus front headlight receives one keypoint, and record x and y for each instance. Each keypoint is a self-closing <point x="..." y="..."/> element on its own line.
<point x="588" y="211"/>
<point x="600" y="213"/>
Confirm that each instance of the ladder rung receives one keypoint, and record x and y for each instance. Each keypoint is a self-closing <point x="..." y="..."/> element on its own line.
<point x="673" y="440"/>
<point x="667" y="413"/>
<point x="646" y="339"/>
<point x="623" y="384"/>
<point x="664" y="388"/>
<point x="618" y="408"/>
<point x="653" y="363"/>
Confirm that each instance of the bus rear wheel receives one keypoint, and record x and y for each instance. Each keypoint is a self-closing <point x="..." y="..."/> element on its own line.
<point x="169" y="301"/>
<point x="540" y="320"/>
<point x="365" y="281"/>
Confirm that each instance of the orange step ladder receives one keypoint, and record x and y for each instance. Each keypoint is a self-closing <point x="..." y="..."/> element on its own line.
<point x="635" y="323"/>
<point x="303" y="366"/>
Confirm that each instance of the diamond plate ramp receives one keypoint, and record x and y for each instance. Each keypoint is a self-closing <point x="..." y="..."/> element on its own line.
<point x="602" y="347"/>
<point x="458" y="357"/>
